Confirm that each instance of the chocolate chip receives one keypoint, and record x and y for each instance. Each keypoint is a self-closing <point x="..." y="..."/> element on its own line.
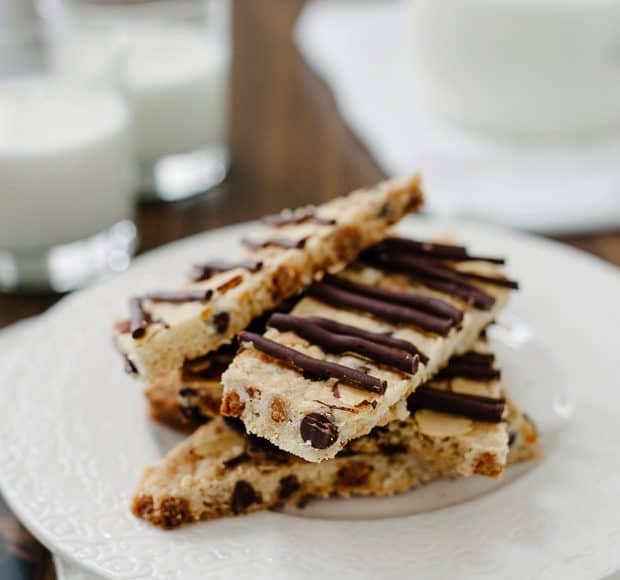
<point x="243" y="497"/>
<point x="392" y="448"/>
<point x="319" y="430"/>
<point x="174" y="512"/>
<point x="305" y="500"/>
<point x="512" y="437"/>
<point x="288" y="486"/>
<point x="354" y="474"/>
<point x="221" y="321"/>
<point x="264" y="450"/>
<point x="235" y="425"/>
<point x="385" y="210"/>
<point x="192" y="413"/>
<point x="237" y="460"/>
<point x="188" y="392"/>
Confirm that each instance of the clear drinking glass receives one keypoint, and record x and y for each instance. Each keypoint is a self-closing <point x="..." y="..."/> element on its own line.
<point x="177" y="74"/>
<point x="67" y="174"/>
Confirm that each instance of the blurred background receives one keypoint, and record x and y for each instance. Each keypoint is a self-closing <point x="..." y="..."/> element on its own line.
<point x="125" y="125"/>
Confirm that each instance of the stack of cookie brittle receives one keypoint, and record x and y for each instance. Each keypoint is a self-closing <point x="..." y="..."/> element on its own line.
<point x="364" y="373"/>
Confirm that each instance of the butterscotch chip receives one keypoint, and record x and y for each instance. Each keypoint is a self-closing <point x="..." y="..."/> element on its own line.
<point x="278" y="410"/>
<point x="486" y="465"/>
<point x="232" y="405"/>
<point x="348" y="245"/>
<point x="253" y="392"/>
<point x="143" y="506"/>
<point x="354" y="474"/>
<point x="230" y="284"/>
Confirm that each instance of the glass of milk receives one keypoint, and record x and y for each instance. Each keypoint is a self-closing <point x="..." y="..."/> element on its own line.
<point x="67" y="172"/>
<point x="177" y="74"/>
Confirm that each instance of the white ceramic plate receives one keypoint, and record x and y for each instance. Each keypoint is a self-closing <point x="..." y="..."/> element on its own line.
<point x="75" y="436"/>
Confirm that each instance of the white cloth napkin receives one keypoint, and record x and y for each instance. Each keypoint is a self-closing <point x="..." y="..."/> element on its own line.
<point x="360" y="48"/>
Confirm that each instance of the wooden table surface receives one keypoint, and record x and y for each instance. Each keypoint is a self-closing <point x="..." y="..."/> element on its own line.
<point x="289" y="147"/>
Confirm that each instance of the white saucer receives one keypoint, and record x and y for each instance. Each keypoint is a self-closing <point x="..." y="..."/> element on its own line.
<point x="75" y="437"/>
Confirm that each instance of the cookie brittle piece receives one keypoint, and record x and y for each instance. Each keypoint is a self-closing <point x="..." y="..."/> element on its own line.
<point x="473" y="438"/>
<point x="359" y="343"/>
<point x="169" y="327"/>
<point x="219" y="471"/>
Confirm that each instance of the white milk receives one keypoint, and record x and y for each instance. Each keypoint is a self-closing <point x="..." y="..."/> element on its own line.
<point x="65" y="163"/>
<point x="178" y="82"/>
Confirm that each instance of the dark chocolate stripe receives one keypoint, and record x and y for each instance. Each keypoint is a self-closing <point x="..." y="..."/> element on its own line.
<point x="198" y="295"/>
<point x="435" y="276"/>
<point x="380" y="338"/>
<point x="288" y="217"/>
<point x="476" y="298"/>
<point x="437" y="251"/>
<point x="430" y="269"/>
<point x="495" y="280"/>
<point x="202" y="272"/>
<point x="313" y="367"/>
<point x="473" y="357"/>
<point x="276" y="242"/>
<point x="340" y="343"/>
<point x="472" y="406"/>
<point x="396" y="313"/>
<point x="413" y="300"/>
<point x="139" y="318"/>
<point x="469" y="371"/>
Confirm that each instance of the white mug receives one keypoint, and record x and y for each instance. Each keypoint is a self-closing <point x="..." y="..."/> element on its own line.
<point x="527" y="67"/>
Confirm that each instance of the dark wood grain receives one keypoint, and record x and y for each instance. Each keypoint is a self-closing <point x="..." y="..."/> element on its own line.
<point x="289" y="147"/>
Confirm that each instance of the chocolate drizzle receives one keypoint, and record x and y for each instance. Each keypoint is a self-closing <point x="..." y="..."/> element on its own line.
<point x="433" y="275"/>
<point x="288" y="217"/>
<point x="474" y="407"/>
<point x="495" y="280"/>
<point x="437" y="251"/>
<point x="474" y="357"/>
<point x="469" y="371"/>
<point x="275" y="242"/>
<point x="179" y="296"/>
<point x="413" y="300"/>
<point x="340" y="343"/>
<point x="471" y="365"/>
<point x="335" y="296"/>
<point x="139" y="318"/>
<point x="313" y="367"/>
<point x="380" y="338"/>
<point x="202" y="272"/>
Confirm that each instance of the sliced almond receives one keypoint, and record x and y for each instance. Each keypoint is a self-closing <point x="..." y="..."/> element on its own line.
<point x="436" y="424"/>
